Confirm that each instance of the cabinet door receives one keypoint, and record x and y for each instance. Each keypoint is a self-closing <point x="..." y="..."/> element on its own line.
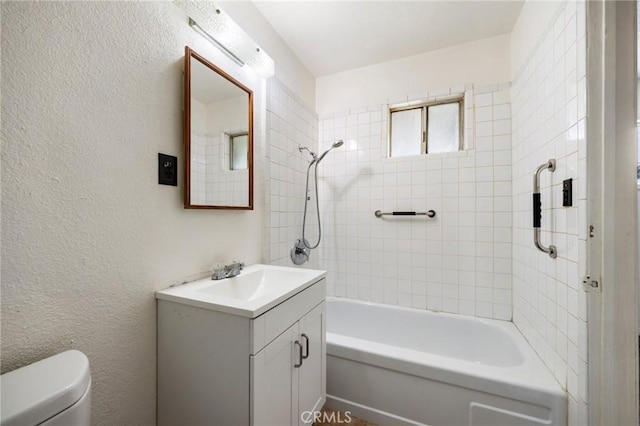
<point x="274" y="381"/>
<point x="312" y="378"/>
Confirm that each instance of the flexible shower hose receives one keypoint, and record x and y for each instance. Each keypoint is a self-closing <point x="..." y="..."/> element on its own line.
<point x="306" y="201"/>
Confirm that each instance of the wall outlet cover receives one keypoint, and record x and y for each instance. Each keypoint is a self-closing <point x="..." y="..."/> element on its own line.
<point x="167" y="170"/>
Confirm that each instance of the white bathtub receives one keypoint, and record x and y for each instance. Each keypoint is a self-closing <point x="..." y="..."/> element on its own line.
<point x="394" y="365"/>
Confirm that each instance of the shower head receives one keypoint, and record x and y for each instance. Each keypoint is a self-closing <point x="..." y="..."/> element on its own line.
<point x="336" y="144"/>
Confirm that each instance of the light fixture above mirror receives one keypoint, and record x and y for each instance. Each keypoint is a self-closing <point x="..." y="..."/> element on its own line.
<point x="222" y="31"/>
<point x="193" y="24"/>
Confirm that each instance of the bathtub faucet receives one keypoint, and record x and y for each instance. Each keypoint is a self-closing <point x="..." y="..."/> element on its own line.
<point x="227" y="271"/>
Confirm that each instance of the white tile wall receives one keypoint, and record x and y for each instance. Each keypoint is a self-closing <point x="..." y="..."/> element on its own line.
<point x="198" y="167"/>
<point x="212" y="182"/>
<point x="198" y="152"/>
<point x="230" y="186"/>
<point x="459" y="262"/>
<point x="289" y="124"/>
<point x="549" y="103"/>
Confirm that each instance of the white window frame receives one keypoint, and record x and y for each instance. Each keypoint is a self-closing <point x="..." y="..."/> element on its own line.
<point x="424" y="106"/>
<point x="232" y="136"/>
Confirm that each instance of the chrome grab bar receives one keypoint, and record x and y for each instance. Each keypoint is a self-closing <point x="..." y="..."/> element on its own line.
<point x="537" y="209"/>
<point x="430" y="213"/>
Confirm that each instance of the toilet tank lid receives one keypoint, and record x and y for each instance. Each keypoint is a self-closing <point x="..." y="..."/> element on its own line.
<point x="39" y="391"/>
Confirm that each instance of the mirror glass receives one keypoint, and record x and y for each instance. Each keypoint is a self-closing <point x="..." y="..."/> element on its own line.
<point x="218" y="137"/>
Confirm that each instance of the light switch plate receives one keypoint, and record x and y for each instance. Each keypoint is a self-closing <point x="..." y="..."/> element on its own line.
<point x="567" y="192"/>
<point x="167" y="170"/>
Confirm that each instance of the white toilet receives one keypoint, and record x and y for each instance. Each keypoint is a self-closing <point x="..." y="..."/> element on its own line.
<point x="54" y="392"/>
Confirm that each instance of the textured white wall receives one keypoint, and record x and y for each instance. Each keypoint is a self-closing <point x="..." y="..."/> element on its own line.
<point x="91" y="92"/>
<point x="482" y="63"/>
<point x="549" y="121"/>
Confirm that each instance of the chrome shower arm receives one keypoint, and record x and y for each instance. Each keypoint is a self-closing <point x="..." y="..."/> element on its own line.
<point x="313" y="154"/>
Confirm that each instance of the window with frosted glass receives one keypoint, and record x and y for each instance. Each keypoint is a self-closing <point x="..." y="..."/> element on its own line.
<point x="239" y="152"/>
<point x="426" y="129"/>
<point x="406" y="132"/>
<point x="443" y="130"/>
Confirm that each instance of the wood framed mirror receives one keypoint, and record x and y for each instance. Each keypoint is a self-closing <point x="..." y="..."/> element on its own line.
<point x="218" y="137"/>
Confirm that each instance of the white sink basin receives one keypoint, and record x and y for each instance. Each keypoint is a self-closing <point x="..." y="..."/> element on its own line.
<point x="245" y="288"/>
<point x="255" y="283"/>
<point x="256" y="290"/>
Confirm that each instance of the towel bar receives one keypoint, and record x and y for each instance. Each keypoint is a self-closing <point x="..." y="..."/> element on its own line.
<point x="430" y="213"/>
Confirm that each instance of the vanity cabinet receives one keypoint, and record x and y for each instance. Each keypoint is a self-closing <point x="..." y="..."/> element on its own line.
<point x="281" y="394"/>
<point x="219" y="368"/>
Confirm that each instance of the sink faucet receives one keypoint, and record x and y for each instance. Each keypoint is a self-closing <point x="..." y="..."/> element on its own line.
<point x="227" y="271"/>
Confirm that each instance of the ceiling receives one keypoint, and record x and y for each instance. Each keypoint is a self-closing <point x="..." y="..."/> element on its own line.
<point x="334" y="36"/>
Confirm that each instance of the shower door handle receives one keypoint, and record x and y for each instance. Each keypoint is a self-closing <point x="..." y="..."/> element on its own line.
<point x="537" y="209"/>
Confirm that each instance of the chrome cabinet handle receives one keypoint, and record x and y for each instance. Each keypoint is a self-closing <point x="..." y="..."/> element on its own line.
<point x="299" y="354"/>
<point x="306" y="338"/>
